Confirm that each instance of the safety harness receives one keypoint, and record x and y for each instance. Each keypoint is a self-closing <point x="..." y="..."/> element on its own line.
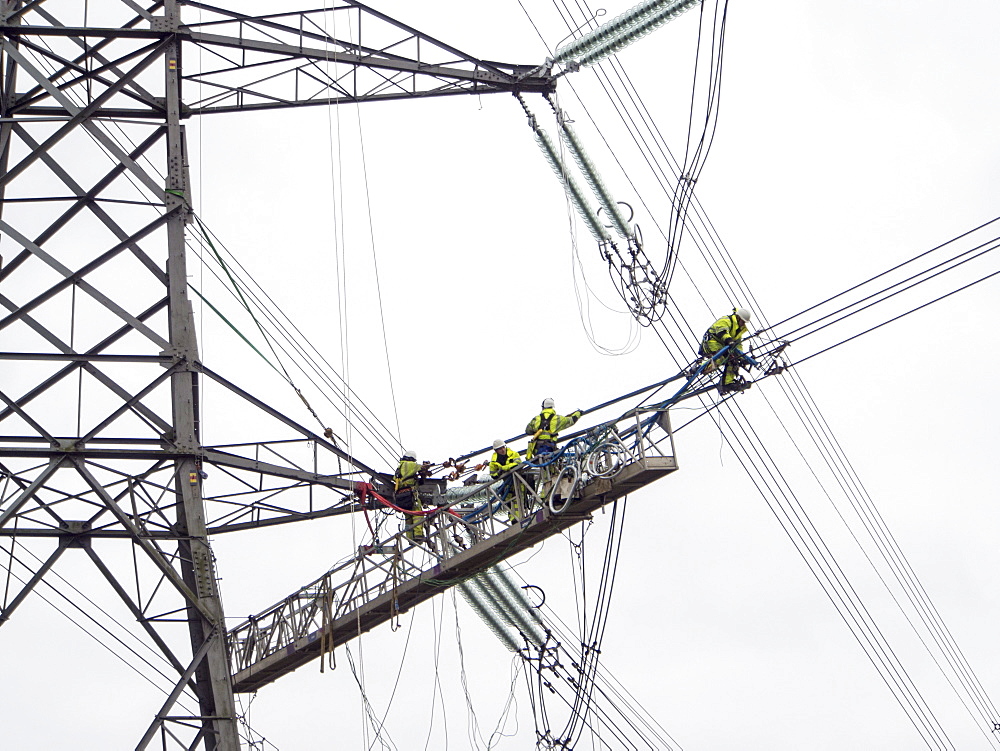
<point x="719" y="336"/>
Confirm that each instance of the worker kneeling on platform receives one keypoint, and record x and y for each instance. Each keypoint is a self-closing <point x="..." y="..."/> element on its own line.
<point x="406" y="496"/>
<point x="544" y="429"/>
<point x="505" y="459"/>
<point x="728" y="331"/>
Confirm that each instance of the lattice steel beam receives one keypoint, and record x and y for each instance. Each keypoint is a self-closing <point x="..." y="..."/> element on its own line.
<point x="101" y="446"/>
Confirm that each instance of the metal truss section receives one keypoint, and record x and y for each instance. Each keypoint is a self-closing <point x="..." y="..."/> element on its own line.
<point x="104" y="459"/>
<point x="99" y="418"/>
<point x="105" y="472"/>
<point x="469" y="533"/>
<point x="346" y="52"/>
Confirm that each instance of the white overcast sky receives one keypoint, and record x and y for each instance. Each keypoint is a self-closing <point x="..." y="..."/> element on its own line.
<point x="852" y="137"/>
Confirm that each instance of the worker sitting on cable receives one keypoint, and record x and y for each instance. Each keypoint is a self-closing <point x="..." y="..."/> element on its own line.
<point x="406" y="495"/>
<point x="503" y="461"/>
<point x="544" y="429"/>
<point x="728" y="331"/>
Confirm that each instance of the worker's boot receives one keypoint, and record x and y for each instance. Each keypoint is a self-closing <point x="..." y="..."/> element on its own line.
<point x="734" y="386"/>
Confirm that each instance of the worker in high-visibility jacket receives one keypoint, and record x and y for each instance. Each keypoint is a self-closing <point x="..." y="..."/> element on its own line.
<point x="504" y="459"/>
<point x="544" y="428"/>
<point x="727" y="331"/>
<point x="406" y="495"/>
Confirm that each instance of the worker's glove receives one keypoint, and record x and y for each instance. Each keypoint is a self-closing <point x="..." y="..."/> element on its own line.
<point x="577" y="415"/>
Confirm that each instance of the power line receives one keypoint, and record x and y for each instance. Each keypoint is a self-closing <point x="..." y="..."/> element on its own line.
<point x="719" y="273"/>
<point x="896" y="318"/>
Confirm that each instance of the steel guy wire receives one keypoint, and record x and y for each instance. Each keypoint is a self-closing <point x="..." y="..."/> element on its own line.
<point x="238" y="290"/>
<point x="292" y="334"/>
<point x="375" y="434"/>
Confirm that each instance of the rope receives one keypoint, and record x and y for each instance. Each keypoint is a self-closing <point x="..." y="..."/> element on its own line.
<point x="326" y="638"/>
<point x="328" y="432"/>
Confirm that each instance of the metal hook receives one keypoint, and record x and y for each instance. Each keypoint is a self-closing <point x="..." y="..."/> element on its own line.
<point x="535" y="586"/>
<point x="631" y="213"/>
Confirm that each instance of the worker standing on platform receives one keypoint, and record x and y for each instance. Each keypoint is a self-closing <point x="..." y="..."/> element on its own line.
<point x="544" y="428"/>
<point x="727" y="331"/>
<point x="406" y="495"/>
<point x="504" y="459"/>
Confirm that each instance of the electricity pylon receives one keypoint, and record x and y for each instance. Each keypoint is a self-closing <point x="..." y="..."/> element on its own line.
<point x="103" y="387"/>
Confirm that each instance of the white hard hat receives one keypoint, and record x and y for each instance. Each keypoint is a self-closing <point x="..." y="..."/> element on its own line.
<point x="548" y="403"/>
<point x="411" y="455"/>
<point x="498" y="444"/>
<point x="744" y="314"/>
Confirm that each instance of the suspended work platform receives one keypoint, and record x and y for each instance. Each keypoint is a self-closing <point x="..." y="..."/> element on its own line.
<point x="465" y="539"/>
<point x="469" y="531"/>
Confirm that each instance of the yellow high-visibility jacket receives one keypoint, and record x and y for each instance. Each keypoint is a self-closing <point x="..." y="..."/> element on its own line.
<point x="499" y="465"/>
<point x="549" y="424"/>
<point x="406" y="475"/>
<point x="727" y="330"/>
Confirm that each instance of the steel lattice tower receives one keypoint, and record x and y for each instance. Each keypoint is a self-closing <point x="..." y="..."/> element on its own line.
<point x="100" y="444"/>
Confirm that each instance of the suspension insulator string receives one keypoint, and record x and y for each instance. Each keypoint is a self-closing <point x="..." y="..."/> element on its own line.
<point x="590" y="172"/>
<point x="620" y="32"/>
<point x="576" y="196"/>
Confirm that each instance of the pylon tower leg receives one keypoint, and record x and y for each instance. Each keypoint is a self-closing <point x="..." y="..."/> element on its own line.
<point x="121" y="460"/>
